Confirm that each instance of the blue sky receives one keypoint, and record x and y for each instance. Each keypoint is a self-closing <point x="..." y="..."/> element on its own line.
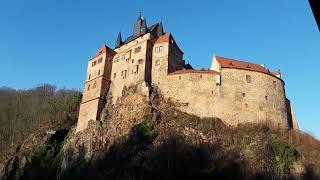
<point x="50" y="41"/>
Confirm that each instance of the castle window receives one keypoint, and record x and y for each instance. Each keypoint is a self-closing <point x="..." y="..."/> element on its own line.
<point x="243" y="94"/>
<point x="89" y="77"/>
<point x="121" y="73"/>
<point x="157" y="62"/>
<point x="99" y="60"/>
<point x="248" y="78"/>
<point x="261" y="108"/>
<point x="132" y="60"/>
<point x="125" y="73"/>
<point x="179" y="77"/>
<point x="137" y="69"/>
<point x="99" y="72"/>
<point x="159" y="49"/>
<point x="200" y="76"/>
<point x="266" y="97"/>
<point x="94" y="85"/>
<point x="140" y="61"/>
<point x="274" y="84"/>
<point x="116" y="59"/>
<point x="88" y="88"/>
<point x="138" y="49"/>
<point x="94" y="63"/>
<point x="114" y="75"/>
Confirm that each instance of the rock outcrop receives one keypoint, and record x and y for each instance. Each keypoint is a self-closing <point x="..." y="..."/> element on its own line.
<point x="144" y="137"/>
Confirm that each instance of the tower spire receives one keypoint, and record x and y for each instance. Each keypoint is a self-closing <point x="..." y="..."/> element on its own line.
<point x="160" y="31"/>
<point x="119" y="40"/>
<point x="140" y="27"/>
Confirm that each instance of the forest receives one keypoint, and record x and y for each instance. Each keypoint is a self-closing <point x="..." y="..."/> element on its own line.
<point x="23" y="112"/>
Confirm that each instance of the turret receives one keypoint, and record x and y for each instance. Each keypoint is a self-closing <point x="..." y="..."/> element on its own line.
<point x="140" y="27"/>
<point x="160" y="31"/>
<point x="119" y="41"/>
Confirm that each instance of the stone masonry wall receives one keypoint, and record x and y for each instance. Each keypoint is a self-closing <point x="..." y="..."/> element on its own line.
<point x="129" y="70"/>
<point x="235" y="101"/>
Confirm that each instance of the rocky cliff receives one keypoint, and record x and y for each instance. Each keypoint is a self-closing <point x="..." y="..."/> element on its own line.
<point x="144" y="137"/>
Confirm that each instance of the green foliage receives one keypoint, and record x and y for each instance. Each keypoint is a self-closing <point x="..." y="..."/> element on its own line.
<point x="284" y="153"/>
<point x="46" y="160"/>
<point x="145" y="130"/>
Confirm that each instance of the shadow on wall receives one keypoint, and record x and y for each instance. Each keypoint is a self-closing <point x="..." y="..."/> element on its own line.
<point x="174" y="158"/>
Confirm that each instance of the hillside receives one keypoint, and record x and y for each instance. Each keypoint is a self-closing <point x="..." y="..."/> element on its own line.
<point x="24" y="112"/>
<point x="147" y="138"/>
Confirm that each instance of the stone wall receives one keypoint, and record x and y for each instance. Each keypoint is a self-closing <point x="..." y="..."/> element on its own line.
<point x="129" y="66"/>
<point x="88" y="111"/>
<point x="235" y="101"/>
<point x="96" y="88"/>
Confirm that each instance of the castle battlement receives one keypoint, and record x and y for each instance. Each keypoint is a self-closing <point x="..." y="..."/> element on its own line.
<point x="232" y="90"/>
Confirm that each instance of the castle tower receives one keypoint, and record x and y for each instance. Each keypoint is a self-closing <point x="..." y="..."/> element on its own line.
<point x="140" y="27"/>
<point x="167" y="58"/>
<point x="96" y="86"/>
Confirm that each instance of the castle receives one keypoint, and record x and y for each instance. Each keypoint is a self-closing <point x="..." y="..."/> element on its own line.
<point x="234" y="91"/>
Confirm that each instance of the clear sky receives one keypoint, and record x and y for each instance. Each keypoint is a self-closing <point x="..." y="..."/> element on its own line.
<point x="50" y="41"/>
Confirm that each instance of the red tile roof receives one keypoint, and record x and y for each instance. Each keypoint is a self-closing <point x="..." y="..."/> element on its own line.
<point x="276" y="73"/>
<point x="236" y="64"/>
<point x="187" y="71"/>
<point x="231" y="63"/>
<point x="103" y="50"/>
<point x="164" y="38"/>
<point x="168" y="38"/>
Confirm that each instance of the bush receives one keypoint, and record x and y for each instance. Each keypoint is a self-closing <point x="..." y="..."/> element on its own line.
<point x="46" y="160"/>
<point x="284" y="153"/>
<point x="145" y="131"/>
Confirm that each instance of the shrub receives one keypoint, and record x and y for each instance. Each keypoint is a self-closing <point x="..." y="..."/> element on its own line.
<point x="145" y="131"/>
<point x="46" y="160"/>
<point x="284" y="153"/>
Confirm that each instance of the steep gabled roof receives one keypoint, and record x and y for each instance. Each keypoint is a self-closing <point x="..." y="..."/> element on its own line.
<point x="102" y="50"/>
<point x="150" y="29"/>
<point x="168" y="38"/>
<point x="231" y="63"/>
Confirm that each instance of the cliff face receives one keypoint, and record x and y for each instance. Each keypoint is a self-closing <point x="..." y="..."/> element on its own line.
<point x="144" y="137"/>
